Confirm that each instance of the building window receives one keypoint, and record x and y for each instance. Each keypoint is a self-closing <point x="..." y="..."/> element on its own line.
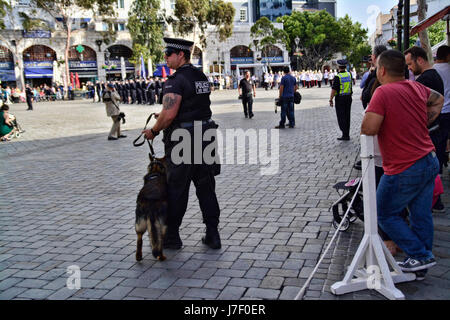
<point x="172" y="4"/>
<point x="121" y="4"/>
<point x="119" y="26"/>
<point x="243" y="14"/>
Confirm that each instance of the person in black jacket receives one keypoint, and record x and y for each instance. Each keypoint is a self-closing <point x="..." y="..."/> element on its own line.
<point x="372" y="78"/>
<point x="133" y="91"/>
<point x="127" y="92"/>
<point x="99" y="91"/>
<point x="138" y="91"/>
<point x="144" y="91"/>
<point x="29" y="96"/>
<point x="151" y="92"/>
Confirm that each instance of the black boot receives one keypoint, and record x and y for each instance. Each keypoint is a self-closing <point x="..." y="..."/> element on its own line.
<point x="212" y="238"/>
<point x="172" y="240"/>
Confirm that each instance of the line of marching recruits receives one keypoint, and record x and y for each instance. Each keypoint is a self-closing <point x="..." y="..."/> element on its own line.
<point x="311" y="79"/>
<point x="138" y="91"/>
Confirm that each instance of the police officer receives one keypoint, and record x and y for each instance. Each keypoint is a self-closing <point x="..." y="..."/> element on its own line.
<point x="133" y="91"/>
<point x="186" y="105"/>
<point x="342" y="90"/>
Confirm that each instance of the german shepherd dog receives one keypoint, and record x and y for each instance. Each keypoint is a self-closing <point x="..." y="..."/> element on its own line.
<point x="151" y="208"/>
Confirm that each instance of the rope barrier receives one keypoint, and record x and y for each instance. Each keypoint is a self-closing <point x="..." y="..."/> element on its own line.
<point x="306" y="285"/>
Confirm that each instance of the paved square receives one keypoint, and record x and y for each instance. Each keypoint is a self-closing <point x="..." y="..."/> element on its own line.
<point x="68" y="198"/>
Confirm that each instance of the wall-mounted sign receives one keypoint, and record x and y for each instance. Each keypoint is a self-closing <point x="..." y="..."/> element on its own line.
<point x="37" y="34"/>
<point x="272" y="59"/>
<point x="6" y="65"/>
<point x="242" y="60"/>
<point x="83" y="65"/>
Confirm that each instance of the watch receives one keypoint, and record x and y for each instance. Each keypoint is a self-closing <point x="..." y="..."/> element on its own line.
<point x="154" y="133"/>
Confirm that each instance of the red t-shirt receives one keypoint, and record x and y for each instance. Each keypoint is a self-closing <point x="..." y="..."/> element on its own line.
<point x="403" y="136"/>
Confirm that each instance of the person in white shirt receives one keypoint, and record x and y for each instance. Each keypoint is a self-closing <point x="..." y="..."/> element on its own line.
<point x="325" y="76"/>
<point x="319" y="79"/>
<point x="354" y="76"/>
<point x="331" y="77"/>
<point x="308" y="79"/>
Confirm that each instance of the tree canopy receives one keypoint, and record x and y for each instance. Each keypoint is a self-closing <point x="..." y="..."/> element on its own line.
<point x="265" y="35"/>
<point x="321" y="36"/>
<point x="146" y="28"/>
<point x="191" y="16"/>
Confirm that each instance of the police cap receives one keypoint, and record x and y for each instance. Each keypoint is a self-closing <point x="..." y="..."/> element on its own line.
<point x="342" y="63"/>
<point x="178" y="44"/>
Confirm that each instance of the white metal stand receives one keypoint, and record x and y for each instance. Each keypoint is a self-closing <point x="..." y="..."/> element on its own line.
<point x="370" y="266"/>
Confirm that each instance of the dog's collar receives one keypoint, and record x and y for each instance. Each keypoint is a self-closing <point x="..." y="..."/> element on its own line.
<point x="152" y="176"/>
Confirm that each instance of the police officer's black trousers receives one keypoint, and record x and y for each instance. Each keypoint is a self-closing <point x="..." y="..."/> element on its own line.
<point x="343" y="112"/>
<point x="179" y="179"/>
<point x="247" y="103"/>
<point x="139" y="96"/>
<point x="151" y="97"/>
<point x="30" y="104"/>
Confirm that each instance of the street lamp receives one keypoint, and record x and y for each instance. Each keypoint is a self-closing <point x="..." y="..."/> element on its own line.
<point x="99" y="44"/>
<point x="392" y="21"/>
<point x="297" y="49"/>
<point x="220" y="73"/>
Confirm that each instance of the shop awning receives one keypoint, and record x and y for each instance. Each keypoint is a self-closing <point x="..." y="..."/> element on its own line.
<point x="424" y="24"/>
<point x="38" y="73"/>
<point x="7" y="75"/>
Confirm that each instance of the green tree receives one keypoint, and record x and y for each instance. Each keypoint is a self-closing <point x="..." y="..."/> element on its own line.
<point x="356" y="46"/>
<point x="146" y="28"/>
<point x="265" y="35"/>
<point x="63" y="13"/>
<point x="25" y="21"/>
<point x="320" y="36"/>
<point x="436" y="33"/>
<point x="192" y="16"/>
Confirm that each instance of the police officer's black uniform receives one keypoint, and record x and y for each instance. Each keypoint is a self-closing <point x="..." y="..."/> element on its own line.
<point x="343" y="104"/>
<point x="133" y="91"/>
<point x="193" y="86"/>
<point x="138" y="92"/>
<point x="127" y="91"/>
<point x="151" y="92"/>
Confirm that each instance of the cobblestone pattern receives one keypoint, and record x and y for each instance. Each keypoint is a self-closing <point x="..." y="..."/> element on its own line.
<point x="68" y="198"/>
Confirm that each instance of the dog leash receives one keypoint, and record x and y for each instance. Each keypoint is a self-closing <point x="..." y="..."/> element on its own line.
<point x="150" y="144"/>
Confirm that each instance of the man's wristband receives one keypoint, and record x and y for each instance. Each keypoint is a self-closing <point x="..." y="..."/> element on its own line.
<point x="154" y="133"/>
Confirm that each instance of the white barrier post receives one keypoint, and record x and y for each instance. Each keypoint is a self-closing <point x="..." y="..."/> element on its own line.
<point x="370" y="266"/>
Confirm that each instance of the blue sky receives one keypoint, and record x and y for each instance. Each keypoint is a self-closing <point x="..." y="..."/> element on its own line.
<point x="364" y="11"/>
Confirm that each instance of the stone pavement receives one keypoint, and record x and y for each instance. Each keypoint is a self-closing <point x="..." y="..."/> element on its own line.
<point x="68" y="198"/>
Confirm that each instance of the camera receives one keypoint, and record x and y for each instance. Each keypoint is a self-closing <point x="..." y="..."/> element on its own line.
<point x="121" y="117"/>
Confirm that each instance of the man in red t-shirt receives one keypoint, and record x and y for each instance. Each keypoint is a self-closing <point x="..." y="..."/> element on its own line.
<point x="399" y="113"/>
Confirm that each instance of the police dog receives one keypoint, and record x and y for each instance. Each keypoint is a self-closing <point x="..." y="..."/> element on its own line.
<point x="151" y="208"/>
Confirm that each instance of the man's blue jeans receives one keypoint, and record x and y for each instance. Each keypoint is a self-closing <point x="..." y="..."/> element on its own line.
<point x="287" y="109"/>
<point x="413" y="188"/>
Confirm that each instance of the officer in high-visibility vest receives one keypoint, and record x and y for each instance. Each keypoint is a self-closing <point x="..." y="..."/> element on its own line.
<point x="342" y="90"/>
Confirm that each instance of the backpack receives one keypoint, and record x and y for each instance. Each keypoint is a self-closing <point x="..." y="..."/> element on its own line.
<point x="297" y="97"/>
<point x="106" y="96"/>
